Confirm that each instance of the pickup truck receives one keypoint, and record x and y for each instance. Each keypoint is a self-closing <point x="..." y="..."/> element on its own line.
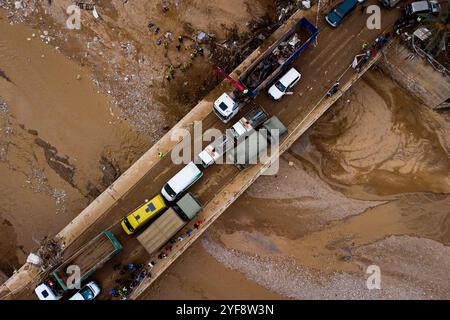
<point x="249" y="123"/>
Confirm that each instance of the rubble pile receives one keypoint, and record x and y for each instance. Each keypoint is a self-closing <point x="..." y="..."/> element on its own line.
<point x="50" y="252"/>
<point x="19" y="10"/>
<point x="230" y="53"/>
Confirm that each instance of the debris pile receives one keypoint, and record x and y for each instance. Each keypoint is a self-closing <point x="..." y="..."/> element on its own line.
<point x="279" y="55"/>
<point x="427" y="36"/>
<point x="230" y="53"/>
<point x="50" y="252"/>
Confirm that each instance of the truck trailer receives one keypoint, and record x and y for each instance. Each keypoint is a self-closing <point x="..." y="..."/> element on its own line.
<point x="249" y="149"/>
<point x="88" y="259"/>
<point x="171" y="221"/>
<point x="264" y="70"/>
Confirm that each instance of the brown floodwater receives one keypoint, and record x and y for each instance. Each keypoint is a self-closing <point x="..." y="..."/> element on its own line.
<point x="370" y="178"/>
<point x="57" y="131"/>
<point x="79" y="107"/>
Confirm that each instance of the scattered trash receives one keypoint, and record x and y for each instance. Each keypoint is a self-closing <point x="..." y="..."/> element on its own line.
<point x="34" y="259"/>
<point x="95" y="13"/>
<point x="18" y="5"/>
<point x="50" y="252"/>
<point x="202" y="37"/>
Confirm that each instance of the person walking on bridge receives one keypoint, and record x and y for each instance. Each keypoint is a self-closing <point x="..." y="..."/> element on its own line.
<point x="333" y="89"/>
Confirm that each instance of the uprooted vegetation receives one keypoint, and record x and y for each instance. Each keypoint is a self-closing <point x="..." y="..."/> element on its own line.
<point x="153" y="89"/>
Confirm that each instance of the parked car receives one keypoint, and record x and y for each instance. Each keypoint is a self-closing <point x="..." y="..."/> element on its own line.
<point x="88" y="292"/>
<point x="248" y="123"/>
<point x="389" y="3"/>
<point x="286" y="82"/>
<point x="44" y="291"/>
<point x="335" y="16"/>
<point x="181" y="181"/>
<point x="422" y="7"/>
<point x="142" y="215"/>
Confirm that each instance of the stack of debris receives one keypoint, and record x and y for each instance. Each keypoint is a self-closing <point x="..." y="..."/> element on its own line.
<point x="231" y="52"/>
<point x="279" y="55"/>
<point x="50" y="252"/>
<point x="237" y="46"/>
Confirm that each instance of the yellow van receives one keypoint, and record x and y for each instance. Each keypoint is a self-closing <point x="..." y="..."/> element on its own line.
<point x="143" y="214"/>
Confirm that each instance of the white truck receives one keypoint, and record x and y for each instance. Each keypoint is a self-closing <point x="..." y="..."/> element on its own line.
<point x="215" y="150"/>
<point x="227" y="106"/>
<point x="249" y="123"/>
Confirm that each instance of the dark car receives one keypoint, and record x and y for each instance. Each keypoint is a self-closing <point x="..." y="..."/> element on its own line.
<point x="335" y="17"/>
<point x="422" y="7"/>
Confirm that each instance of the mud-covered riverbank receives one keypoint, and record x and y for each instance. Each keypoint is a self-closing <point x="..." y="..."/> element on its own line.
<point x="368" y="184"/>
<point x="78" y="107"/>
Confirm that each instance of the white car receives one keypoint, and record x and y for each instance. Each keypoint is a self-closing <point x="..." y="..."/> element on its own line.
<point x="44" y="292"/>
<point x="280" y="88"/>
<point x="88" y="292"/>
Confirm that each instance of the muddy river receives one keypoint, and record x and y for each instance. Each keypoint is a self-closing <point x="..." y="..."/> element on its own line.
<point x="368" y="184"/>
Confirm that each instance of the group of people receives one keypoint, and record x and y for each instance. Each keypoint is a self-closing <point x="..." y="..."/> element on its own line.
<point x="168" y="248"/>
<point x="368" y="51"/>
<point x="135" y="274"/>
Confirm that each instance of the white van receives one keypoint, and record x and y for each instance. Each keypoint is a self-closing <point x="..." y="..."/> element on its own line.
<point x="181" y="181"/>
<point x="279" y="89"/>
<point x="88" y="292"/>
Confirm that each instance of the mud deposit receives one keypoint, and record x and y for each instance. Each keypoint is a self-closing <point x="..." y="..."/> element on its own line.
<point x="57" y="131"/>
<point x="78" y="107"/>
<point x="367" y="185"/>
